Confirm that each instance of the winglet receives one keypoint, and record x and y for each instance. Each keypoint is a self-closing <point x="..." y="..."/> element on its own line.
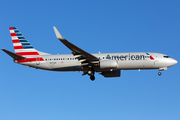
<point x="58" y="35"/>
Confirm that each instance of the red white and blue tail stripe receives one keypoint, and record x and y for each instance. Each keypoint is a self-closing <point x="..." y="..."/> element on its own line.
<point x="23" y="47"/>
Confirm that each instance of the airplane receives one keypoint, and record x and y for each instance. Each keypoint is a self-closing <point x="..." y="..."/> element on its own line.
<point x="107" y="64"/>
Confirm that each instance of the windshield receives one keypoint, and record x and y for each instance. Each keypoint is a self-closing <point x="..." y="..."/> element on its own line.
<point x="166" y="56"/>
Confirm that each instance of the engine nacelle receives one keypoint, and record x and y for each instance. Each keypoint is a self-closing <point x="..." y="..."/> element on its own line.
<point x="108" y="64"/>
<point x="115" y="73"/>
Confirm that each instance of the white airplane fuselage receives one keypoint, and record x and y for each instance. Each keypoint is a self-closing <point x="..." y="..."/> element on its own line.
<point x="125" y="61"/>
<point x="109" y="64"/>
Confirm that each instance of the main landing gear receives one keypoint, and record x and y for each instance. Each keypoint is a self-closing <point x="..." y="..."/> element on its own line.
<point x="91" y="74"/>
<point x="92" y="77"/>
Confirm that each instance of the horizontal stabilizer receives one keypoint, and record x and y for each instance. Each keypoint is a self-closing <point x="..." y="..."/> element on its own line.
<point x="13" y="55"/>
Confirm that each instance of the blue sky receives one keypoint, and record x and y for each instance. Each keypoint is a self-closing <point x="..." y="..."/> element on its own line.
<point x="105" y="26"/>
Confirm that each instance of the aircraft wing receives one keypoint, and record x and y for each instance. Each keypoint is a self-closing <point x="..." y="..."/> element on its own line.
<point x="84" y="57"/>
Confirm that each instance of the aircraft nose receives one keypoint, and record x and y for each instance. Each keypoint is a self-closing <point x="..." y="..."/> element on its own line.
<point x="173" y="61"/>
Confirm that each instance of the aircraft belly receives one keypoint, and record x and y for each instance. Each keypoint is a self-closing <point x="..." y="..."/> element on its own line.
<point x="69" y="68"/>
<point x="42" y="65"/>
<point x="65" y="66"/>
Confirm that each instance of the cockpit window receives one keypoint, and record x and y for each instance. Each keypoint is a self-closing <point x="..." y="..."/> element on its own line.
<point x="166" y="56"/>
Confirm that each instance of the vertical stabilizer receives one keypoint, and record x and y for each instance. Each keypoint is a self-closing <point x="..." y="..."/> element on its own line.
<point x="21" y="45"/>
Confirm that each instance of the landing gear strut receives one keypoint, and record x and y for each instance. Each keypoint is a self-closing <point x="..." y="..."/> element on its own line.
<point x="91" y="74"/>
<point x="161" y="69"/>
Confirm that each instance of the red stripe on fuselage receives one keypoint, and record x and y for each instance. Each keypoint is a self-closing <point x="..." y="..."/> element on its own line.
<point x="18" y="47"/>
<point x="30" y="60"/>
<point x="13" y="34"/>
<point x="28" y="53"/>
<point x="16" y="41"/>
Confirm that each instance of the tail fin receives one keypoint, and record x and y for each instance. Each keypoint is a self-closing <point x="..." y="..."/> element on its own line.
<point x="21" y="45"/>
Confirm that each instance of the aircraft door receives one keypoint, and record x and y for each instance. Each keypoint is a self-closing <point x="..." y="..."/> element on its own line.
<point x="157" y="63"/>
<point x="38" y="61"/>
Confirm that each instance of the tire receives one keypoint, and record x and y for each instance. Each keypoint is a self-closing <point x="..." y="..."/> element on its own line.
<point x="159" y="73"/>
<point x="92" y="77"/>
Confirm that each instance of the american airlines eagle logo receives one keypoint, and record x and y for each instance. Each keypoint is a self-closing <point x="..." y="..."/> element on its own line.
<point x="150" y="56"/>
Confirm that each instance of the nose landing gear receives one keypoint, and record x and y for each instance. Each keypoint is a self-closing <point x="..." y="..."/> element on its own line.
<point x="161" y="69"/>
<point x="159" y="73"/>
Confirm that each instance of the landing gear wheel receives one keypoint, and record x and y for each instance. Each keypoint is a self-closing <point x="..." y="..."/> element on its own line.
<point x="159" y="73"/>
<point x="92" y="77"/>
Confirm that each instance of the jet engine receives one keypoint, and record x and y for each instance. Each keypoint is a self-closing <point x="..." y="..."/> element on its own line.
<point x="115" y="73"/>
<point x="108" y="64"/>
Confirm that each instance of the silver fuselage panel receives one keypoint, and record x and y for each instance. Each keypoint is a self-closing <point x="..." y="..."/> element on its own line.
<point x="126" y="61"/>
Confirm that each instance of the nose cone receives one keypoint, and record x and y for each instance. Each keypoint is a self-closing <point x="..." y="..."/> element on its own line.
<point x="173" y="61"/>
